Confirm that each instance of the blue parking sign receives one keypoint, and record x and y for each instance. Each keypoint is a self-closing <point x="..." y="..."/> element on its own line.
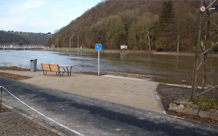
<point x="98" y="47"/>
<point x="216" y="7"/>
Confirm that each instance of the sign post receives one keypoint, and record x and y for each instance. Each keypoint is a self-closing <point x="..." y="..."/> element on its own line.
<point x="98" y="47"/>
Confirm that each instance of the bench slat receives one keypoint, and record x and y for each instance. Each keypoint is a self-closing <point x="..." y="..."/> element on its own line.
<point x="54" y="67"/>
<point x="45" y="67"/>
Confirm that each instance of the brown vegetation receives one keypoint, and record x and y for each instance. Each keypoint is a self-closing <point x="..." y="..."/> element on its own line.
<point x="134" y="23"/>
<point x="13" y="76"/>
<point x="14" y="68"/>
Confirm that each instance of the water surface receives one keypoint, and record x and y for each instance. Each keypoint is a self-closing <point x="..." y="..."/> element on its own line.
<point x="164" y="68"/>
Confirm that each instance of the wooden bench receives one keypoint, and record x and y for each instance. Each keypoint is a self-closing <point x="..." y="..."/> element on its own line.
<point x="51" y="68"/>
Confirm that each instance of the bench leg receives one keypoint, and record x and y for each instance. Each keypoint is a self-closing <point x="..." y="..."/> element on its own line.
<point x="45" y="72"/>
<point x="59" y="73"/>
<point x="63" y="74"/>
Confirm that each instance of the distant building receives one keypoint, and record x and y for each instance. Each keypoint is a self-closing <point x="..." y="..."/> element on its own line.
<point x="122" y="47"/>
<point x="53" y="46"/>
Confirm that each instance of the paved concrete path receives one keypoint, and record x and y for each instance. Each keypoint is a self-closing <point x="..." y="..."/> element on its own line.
<point x="95" y="117"/>
<point x="136" y="93"/>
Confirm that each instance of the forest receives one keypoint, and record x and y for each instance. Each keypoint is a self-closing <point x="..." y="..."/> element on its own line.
<point x="11" y="37"/>
<point x="8" y="38"/>
<point x="141" y="25"/>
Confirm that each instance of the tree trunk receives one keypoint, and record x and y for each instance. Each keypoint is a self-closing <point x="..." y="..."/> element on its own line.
<point x="63" y="42"/>
<point x="178" y="38"/>
<point x="149" y="40"/>
<point x="70" y="41"/>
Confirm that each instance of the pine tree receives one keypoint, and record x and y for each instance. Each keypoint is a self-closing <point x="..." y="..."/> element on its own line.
<point x="165" y="28"/>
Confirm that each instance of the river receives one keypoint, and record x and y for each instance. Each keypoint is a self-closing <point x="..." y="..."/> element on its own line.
<point x="164" y="68"/>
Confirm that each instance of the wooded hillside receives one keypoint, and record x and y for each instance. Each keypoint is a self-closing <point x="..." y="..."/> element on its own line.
<point x="142" y="25"/>
<point x="6" y="38"/>
<point x="11" y="37"/>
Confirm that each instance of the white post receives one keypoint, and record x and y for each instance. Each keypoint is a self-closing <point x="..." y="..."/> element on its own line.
<point x="99" y="62"/>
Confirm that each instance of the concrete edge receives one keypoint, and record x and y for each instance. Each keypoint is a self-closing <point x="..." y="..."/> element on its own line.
<point x="130" y="78"/>
<point x="160" y="103"/>
<point x="40" y="123"/>
<point x="187" y="86"/>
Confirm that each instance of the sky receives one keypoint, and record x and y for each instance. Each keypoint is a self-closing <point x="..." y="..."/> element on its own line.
<point x="41" y="16"/>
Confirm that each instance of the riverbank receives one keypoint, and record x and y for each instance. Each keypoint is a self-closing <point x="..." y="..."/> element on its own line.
<point x="167" y="93"/>
<point x="213" y="54"/>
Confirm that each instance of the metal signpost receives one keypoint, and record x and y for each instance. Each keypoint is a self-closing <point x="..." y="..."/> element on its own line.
<point x="98" y="47"/>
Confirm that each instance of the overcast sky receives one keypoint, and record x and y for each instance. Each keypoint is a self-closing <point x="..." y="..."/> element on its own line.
<point x="41" y="15"/>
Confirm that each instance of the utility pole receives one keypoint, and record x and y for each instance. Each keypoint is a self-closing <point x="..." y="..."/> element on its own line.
<point x="197" y="53"/>
<point x="205" y="20"/>
<point x="206" y="47"/>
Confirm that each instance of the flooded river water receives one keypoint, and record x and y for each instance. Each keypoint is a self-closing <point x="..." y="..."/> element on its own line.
<point x="164" y="68"/>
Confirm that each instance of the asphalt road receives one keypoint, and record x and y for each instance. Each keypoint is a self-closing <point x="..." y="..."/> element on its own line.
<point x="94" y="117"/>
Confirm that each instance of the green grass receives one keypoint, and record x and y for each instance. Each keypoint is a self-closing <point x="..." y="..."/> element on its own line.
<point x="63" y="48"/>
<point x="67" y="48"/>
<point x="206" y="101"/>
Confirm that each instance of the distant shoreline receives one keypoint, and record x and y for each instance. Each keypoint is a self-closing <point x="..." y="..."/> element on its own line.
<point x="129" y="51"/>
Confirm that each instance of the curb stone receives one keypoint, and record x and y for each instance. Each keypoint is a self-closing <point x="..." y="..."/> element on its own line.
<point x="161" y="105"/>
